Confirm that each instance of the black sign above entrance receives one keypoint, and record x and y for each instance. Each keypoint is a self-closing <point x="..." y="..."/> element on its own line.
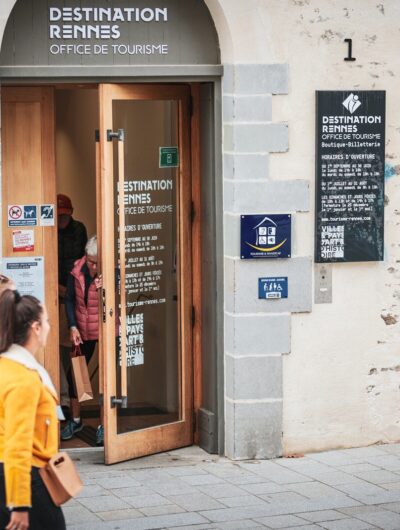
<point x="76" y="32"/>
<point x="350" y="164"/>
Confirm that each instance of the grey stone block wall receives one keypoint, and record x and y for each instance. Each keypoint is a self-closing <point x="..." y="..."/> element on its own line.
<point x="244" y="298"/>
<point x="271" y="196"/>
<point x="253" y="377"/>
<point x="256" y="429"/>
<point x="257" y="332"/>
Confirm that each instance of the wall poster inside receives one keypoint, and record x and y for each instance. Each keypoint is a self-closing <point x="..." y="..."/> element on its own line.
<point x="27" y="273"/>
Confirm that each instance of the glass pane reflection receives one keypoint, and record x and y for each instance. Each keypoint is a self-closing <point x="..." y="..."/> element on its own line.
<point x="151" y="287"/>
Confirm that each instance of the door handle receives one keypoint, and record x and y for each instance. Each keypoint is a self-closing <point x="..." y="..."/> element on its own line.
<point x="122" y="402"/>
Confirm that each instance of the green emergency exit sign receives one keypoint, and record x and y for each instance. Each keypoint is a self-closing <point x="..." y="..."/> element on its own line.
<point x="169" y="157"/>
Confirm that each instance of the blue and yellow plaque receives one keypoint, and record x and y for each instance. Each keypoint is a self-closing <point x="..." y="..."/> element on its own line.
<point x="265" y="236"/>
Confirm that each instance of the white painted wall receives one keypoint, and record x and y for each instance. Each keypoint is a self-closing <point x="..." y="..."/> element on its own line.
<point x="342" y="378"/>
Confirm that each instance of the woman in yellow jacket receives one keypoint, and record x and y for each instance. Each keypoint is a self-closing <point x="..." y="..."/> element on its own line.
<point x="28" y="417"/>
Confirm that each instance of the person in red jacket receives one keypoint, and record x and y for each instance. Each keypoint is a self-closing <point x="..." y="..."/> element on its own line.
<point x="82" y="308"/>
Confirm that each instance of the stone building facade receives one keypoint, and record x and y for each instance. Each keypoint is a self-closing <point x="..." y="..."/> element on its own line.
<point x="295" y="375"/>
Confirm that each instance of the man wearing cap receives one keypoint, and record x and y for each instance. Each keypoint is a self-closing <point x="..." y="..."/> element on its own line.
<point x="72" y="239"/>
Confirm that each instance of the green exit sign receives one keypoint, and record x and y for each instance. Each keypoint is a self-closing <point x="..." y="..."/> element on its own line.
<point x="169" y="157"/>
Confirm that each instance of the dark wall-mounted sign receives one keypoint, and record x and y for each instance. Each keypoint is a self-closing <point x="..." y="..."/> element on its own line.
<point x="350" y="163"/>
<point x="265" y="236"/>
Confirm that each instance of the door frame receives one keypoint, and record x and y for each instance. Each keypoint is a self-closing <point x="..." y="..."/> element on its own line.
<point x="214" y="181"/>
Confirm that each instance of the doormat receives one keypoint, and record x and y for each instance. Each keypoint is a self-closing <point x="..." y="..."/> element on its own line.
<point x="87" y="435"/>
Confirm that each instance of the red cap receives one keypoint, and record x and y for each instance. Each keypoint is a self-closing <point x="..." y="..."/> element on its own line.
<point x="64" y="205"/>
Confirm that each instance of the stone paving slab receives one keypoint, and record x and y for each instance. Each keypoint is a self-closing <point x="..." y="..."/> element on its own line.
<point x="116" y="515"/>
<point x="346" y="524"/>
<point x="144" y="501"/>
<point x="304" y="527"/>
<point x="350" y="489"/>
<point x="324" y="515"/>
<point x="382" y="519"/>
<point x="281" y="521"/>
<point x="237" y="525"/>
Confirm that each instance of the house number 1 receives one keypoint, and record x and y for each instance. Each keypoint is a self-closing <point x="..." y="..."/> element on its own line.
<point x="349" y="50"/>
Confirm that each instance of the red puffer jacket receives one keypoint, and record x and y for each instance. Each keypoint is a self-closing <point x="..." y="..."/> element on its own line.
<point x="87" y="316"/>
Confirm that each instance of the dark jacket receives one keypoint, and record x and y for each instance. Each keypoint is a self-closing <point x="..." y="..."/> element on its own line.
<point x="71" y="246"/>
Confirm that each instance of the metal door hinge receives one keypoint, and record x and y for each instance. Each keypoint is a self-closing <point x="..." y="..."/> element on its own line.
<point x="97" y="135"/>
<point x="119" y="135"/>
<point x="101" y="400"/>
<point x="122" y="402"/>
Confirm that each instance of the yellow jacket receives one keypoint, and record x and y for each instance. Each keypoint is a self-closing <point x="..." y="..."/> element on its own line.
<point x="28" y="428"/>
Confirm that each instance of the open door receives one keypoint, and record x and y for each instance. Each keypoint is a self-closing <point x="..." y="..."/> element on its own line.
<point x="28" y="163"/>
<point x="145" y="231"/>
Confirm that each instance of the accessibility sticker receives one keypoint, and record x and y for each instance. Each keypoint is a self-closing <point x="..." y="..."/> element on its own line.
<point x="47" y="215"/>
<point x="273" y="288"/>
<point x="22" y="215"/>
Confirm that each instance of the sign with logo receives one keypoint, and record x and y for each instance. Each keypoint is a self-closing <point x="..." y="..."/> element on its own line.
<point x="273" y="288"/>
<point x="169" y="157"/>
<point x="23" y="240"/>
<point x="109" y="33"/>
<point x="80" y="26"/>
<point x="265" y="236"/>
<point x="22" y="215"/>
<point x="47" y="215"/>
<point x="350" y="152"/>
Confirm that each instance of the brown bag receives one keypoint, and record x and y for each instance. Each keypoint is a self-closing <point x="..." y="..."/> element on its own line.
<point x="61" y="478"/>
<point x="80" y="372"/>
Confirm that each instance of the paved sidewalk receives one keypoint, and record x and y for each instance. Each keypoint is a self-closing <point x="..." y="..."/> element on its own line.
<point x="352" y="489"/>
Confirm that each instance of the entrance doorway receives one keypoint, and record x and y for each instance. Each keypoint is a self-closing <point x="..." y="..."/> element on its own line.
<point x="134" y="188"/>
<point x="76" y="119"/>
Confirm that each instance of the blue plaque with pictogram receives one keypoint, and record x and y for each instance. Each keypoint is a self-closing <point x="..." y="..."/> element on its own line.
<point x="273" y="288"/>
<point x="265" y="236"/>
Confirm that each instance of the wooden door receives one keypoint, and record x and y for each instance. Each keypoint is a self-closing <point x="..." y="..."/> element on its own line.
<point x="28" y="178"/>
<point x="145" y="183"/>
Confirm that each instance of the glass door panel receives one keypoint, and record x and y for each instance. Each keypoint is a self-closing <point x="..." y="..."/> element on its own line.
<point x="150" y="219"/>
<point x="146" y="267"/>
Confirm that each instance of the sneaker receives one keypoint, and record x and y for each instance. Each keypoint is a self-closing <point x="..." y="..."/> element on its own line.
<point x="100" y="435"/>
<point x="70" y="430"/>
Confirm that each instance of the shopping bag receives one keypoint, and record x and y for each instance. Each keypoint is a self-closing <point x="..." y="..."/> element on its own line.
<point x="80" y="373"/>
<point x="61" y="478"/>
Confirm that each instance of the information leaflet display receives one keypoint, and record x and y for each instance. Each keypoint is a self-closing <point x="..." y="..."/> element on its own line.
<point x="350" y="164"/>
<point x="27" y="274"/>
